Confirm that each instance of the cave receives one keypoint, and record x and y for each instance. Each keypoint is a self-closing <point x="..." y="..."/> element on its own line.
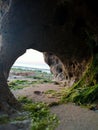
<point x="61" y="28"/>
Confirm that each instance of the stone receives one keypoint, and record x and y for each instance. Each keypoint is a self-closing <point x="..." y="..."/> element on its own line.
<point x="68" y="29"/>
<point x="60" y="71"/>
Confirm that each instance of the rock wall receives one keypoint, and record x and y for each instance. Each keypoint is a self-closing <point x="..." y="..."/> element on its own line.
<point x="56" y="66"/>
<point x="4" y="6"/>
<point x="66" y="74"/>
<point x="66" y="28"/>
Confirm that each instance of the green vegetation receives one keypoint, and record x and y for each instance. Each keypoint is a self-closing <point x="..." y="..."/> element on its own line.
<point x="38" y="113"/>
<point x="19" y="84"/>
<point x="32" y="74"/>
<point x="41" y="118"/>
<point x="55" y="94"/>
<point x="85" y="91"/>
<point x="51" y="92"/>
<point x="4" y="119"/>
<point x="29" y="78"/>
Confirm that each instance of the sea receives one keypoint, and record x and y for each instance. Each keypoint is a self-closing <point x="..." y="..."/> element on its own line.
<point x="43" y="68"/>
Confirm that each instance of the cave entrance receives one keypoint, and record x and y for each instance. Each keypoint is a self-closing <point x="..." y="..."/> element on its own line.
<point x="31" y="61"/>
<point x="30" y="77"/>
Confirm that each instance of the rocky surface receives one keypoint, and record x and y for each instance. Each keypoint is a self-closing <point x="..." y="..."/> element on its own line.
<point x="17" y="125"/>
<point x="37" y="93"/>
<point x="59" y="28"/>
<point x="56" y="66"/>
<point x="71" y="117"/>
<point x="76" y="118"/>
<point x="68" y="29"/>
<point x="65" y="74"/>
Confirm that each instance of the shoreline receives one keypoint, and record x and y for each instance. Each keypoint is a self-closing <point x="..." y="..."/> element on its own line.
<point x="32" y="68"/>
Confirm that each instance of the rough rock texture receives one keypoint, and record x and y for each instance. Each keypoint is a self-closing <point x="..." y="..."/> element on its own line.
<point x="67" y="74"/>
<point x="56" y="66"/>
<point x="62" y="27"/>
<point x="18" y="125"/>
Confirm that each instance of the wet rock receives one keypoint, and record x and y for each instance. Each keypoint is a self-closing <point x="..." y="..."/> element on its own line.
<point x="16" y="125"/>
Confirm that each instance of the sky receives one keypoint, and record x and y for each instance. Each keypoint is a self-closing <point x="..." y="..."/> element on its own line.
<point x="31" y="58"/>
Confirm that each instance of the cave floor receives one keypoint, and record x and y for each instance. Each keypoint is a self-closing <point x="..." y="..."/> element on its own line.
<point x="71" y="117"/>
<point x="75" y="118"/>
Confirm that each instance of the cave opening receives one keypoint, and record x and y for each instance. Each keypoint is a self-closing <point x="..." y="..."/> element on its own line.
<point x="33" y="59"/>
<point x="31" y="77"/>
<point x="30" y="65"/>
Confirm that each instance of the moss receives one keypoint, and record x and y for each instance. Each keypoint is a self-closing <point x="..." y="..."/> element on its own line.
<point x="20" y="118"/>
<point x="41" y="118"/>
<point x="24" y="99"/>
<point x="55" y="94"/>
<point x="85" y="91"/>
<point x="35" y="76"/>
<point x="4" y="119"/>
<point x="19" y="84"/>
<point x="50" y="91"/>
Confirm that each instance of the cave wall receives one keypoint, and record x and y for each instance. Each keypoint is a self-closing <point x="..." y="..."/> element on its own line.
<point x="56" y="67"/>
<point x="61" y="27"/>
<point x="68" y="29"/>
<point x="65" y="74"/>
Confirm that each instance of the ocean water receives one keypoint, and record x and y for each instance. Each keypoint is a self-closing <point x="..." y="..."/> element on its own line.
<point x="42" y="67"/>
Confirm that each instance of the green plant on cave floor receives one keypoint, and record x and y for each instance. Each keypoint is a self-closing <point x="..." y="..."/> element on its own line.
<point x="37" y="112"/>
<point x="41" y="118"/>
<point x="20" y="84"/>
<point x="37" y="77"/>
<point x="85" y="91"/>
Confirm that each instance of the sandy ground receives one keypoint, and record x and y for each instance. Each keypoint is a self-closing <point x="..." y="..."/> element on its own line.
<point x="36" y="93"/>
<point x="71" y="117"/>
